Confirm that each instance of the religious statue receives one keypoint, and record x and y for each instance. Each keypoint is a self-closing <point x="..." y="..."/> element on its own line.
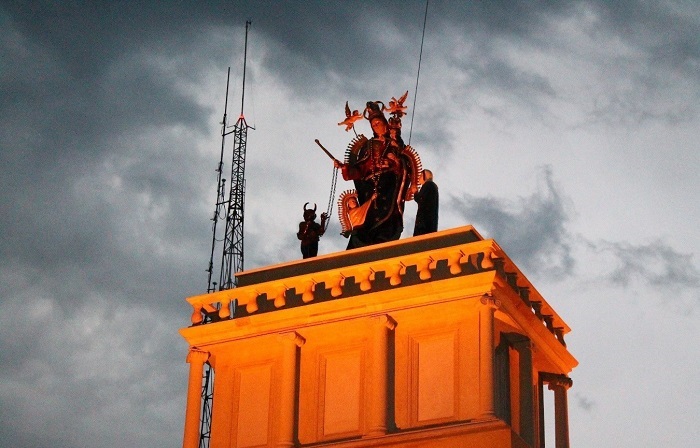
<point x="386" y="173"/>
<point x="310" y="231"/>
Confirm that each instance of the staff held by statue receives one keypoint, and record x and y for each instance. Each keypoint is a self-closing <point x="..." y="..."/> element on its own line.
<point x="335" y="161"/>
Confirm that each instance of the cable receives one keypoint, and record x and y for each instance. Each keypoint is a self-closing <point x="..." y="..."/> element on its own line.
<point x="420" y="58"/>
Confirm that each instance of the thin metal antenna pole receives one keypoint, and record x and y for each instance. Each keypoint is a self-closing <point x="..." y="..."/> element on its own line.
<point x="420" y="57"/>
<point x="245" y="61"/>
<point x="219" y="189"/>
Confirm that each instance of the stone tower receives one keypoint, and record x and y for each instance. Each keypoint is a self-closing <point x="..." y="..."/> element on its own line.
<point x="431" y="341"/>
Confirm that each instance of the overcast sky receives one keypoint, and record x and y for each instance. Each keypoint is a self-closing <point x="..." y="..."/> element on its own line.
<point x="567" y="131"/>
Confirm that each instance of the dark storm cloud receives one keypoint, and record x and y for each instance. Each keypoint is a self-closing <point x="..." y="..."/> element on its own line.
<point x="75" y="76"/>
<point x="323" y="43"/>
<point x="531" y="230"/>
<point x="661" y="54"/>
<point x="517" y="19"/>
<point x="88" y="371"/>
<point x="647" y="51"/>
<point x="93" y="101"/>
<point x="340" y="47"/>
<point x="91" y="233"/>
<point x="437" y="136"/>
<point x="669" y="32"/>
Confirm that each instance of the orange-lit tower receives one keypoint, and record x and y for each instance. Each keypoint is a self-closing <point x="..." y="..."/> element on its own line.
<point x="430" y="341"/>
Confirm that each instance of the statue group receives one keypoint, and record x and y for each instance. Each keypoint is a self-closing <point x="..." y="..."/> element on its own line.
<point x="386" y="173"/>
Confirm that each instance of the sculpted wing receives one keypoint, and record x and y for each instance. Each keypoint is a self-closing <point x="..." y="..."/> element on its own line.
<point x="350" y="118"/>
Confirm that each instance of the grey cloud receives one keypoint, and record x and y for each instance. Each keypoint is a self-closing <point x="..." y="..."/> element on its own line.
<point x="518" y="19"/>
<point x="584" y="403"/>
<point x="655" y="263"/>
<point x="532" y="230"/>
<point x="65" y="133"/>
<point x="661" y="57"/>
<point x="627" y="108"/>
<point x="669" y="33"/>
<point x="121" y="228"/>
<point x="436" y="137"/>
<point x="501" y="78"/>
<point x="649" y="51"/>
<point x="380" y="42"/>
<point x="101" y="377"/>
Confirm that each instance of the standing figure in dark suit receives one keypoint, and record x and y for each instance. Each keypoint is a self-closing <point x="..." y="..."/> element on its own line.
<point x="428" y="200"/>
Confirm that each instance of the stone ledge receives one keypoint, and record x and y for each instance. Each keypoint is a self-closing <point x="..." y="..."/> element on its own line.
<point x="434" y="257"/>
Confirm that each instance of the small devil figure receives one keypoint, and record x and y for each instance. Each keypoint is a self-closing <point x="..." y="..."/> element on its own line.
<point x="310" y="231"/>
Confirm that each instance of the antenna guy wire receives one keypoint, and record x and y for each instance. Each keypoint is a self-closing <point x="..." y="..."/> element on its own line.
<point x="420" y="57"/>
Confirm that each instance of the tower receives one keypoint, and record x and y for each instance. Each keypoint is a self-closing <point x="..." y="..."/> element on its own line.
<point x="431" y="341"/>
<point x="232" y="253"/>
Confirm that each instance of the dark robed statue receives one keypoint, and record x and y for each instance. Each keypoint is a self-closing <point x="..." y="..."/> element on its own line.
<point x="385" y="172"/>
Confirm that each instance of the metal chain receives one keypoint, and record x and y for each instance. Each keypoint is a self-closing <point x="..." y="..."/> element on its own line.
<point x="331" y="199"/>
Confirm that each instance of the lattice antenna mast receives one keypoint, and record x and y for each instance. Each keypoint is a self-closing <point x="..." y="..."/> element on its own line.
<point x="232" y="257"/>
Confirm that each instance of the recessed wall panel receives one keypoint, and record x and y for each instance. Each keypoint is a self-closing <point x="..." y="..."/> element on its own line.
<point x="436" y="377"/>
<point x="342" y="392"/>
<point x="254" y="406"/>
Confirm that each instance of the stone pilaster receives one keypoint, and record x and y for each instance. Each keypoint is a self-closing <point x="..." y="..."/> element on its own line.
<point x="288" y="382"/>
<point x="560" y="384"/>
<point x="527" y="406"/>
<point x="489" y="304"/>
<point x="379" y="384"/>
<point x="196" y="358"/>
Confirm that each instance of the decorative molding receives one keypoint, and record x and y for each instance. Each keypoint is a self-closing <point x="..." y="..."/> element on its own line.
<point x="384" y="320"/>
<point x="292" y="337"/>
<point x="196" y="355"/>
<point x="490" y="301"/>
<point x="556" y="380"/>
<point x="463" y="259"/>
